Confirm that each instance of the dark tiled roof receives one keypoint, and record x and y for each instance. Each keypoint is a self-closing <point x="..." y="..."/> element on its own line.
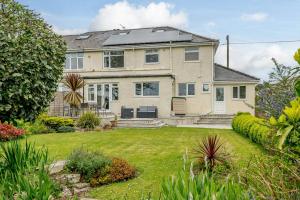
<point x="223" y="73"/>
<point x="97" y="39"/>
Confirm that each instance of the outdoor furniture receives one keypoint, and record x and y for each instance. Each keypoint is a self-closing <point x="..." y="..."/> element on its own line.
<point x="146" y="112"/>
<point x="127" y="113"/>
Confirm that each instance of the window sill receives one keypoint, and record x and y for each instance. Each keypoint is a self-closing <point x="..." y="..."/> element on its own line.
<point x="206" y="92"/>
<point x="239" y="99"/>
<point x="191" y="61"/>
<point x="154" y="63"/>
<point x="146" y="96"/>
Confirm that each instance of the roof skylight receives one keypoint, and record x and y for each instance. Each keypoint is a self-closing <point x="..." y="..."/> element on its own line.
<point x="83" y="37"/>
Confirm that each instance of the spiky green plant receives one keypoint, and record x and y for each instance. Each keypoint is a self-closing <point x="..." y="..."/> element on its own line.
<point x="210" y="152"/>
<point x="74" y="82"/>
<point x="23" y="172"/>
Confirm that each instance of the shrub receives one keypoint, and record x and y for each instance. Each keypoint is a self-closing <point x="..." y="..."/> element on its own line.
<point x="35" y="127"/>
<point x="121" y="170"/>
<point x="56" y="122"/>
<point x="65" y="129"/>
<point x="9" y="132"/>
<point x="88" y="120"/>
<point x="210" y="152"/>
<point x="252" y="127"/>
<point x="23" y="173"/>
<point x="288" y="127"/>
<point x="88" y="164"/>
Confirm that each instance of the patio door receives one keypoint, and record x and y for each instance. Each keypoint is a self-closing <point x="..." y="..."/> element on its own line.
<point x="219" y="101"/>
<point x="104" y="96"/>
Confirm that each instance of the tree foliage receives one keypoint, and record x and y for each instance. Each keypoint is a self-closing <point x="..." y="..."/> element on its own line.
<point x="31" y="62"/>
<point x="297" y="84"/>
<point x="275" y="94"/>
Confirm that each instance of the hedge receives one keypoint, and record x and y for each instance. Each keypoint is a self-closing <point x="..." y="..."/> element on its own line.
<point x="252" y="127"/>
<point x="56" y="122"/>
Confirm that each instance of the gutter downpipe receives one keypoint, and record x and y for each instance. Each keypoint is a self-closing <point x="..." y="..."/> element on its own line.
<point x="212" y="81"/>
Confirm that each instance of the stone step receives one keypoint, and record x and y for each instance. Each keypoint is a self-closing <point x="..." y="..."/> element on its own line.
<point x="139" y="123"/>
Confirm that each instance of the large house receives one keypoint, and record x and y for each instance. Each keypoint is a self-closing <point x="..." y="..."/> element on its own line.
<point x="165" y="68"/>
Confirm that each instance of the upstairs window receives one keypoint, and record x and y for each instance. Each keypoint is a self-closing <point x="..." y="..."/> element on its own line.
<point x="186" y="89"/>
<point x="147" y="89"/>
<point x="151" y="56"/>
<point x="239" y="92"/>
<point x="113" y="59"/>
<point x="74" y="61"/>
<point x="191" y="54"/>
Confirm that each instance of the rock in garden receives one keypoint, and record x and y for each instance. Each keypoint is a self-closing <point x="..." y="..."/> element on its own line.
<point x="66" y="192"/>
<point x="57" y="167"/>
<point x="81" y="185"/>
<point x="81" y="191"/>
<point x="68" y="178"/>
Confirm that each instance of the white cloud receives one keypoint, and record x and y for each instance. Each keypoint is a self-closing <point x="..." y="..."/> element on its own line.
<point x="67" y="31"/>
<point x="257" y="17"/>
<point x="256" y="59"/>
<point x="112" y="16"/>
<point x="211" y="24"/>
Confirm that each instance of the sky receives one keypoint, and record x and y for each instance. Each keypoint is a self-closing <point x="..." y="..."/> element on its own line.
<point x="242" y="20"/>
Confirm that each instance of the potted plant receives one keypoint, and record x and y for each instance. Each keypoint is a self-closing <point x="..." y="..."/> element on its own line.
<point x="114" y="122"/>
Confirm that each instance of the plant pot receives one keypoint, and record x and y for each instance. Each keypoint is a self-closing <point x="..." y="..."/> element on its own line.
<point x="114" y="123"/>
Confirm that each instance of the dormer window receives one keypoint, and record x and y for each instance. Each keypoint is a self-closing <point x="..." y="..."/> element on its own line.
<point x="113" y="59"/>
<point x="74" y="61"/>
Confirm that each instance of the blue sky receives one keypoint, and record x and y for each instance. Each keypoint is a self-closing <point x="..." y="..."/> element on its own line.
<point x="243" y="20"/>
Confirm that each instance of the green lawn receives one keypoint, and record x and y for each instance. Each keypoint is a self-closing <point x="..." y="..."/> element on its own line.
<point x="157" y="153"/>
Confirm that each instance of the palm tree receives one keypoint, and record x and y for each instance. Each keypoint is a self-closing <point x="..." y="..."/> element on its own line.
<point x="74" y="82"/>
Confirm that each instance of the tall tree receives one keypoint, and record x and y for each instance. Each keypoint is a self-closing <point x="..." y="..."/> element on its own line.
<point x="31" y="62"/>
<point x="275" y="94"/>
<point x="297" y="83"/>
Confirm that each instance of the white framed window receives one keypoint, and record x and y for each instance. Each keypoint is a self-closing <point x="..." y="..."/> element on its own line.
<point x="115" y="92"/>
<point x="191" y="54"/>
<point x="239" y="92"/>
<point x="91" y="93"/>
<point x="205" y="88"/>
<point x="113" y="59"/>
<point x="186" y="89"/>
<point x="147" y="89"/>
<point x="74" y="61"/>
<point x="151" y="56"/>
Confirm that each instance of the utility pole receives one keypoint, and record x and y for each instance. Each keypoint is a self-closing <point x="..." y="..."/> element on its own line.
<point x="227" y="45"/>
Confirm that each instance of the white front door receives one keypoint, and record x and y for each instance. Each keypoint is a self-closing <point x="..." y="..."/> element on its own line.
<point x="219" y="100"/>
